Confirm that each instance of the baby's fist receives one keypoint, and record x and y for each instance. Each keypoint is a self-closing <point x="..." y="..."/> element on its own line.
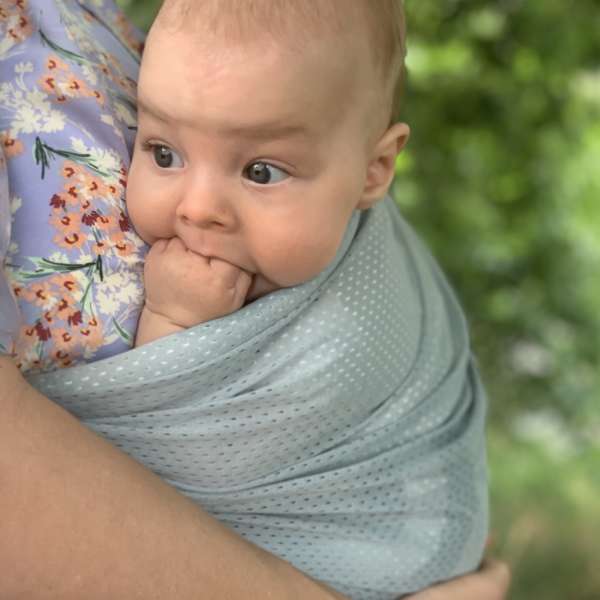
<point x="188" y="288"/>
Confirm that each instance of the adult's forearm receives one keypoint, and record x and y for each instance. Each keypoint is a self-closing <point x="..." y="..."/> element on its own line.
<point x="80" y="519"/>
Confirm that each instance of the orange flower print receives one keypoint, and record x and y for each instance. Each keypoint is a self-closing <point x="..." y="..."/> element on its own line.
<point x="80" y="184"/>
<point x="119" y="242"/>
<point x="19" y="25"/>
<point x="54" y="63"/>
<point x="115" y="190"/>
<point x="99" y="96"/>
<point x="65" y="283"/>
<point x="42" y="332"/>
<point x="124" y="223"/>
<point x="49" y="84"/>
<point x="59" y="81"/>
<point x="103" y="222"/>
<point x="128" y="33"/>
<point x="75" y="319"/>
<point x="10" y="146"/>
<point x="64" y="359"/>
<point x="60" y="201"/>
<point x="100" y="248"/>
<point x="76" y="87"/>
<point x="94" y="187"/>
<point x="71" y="170"/>
<point x="67" y="223"/>
<point x="65" y="341"/>
<point x="39" y="293"/>
<point x="70" y="240"/>
<point x="93" y="334"/>
<point x="30" y="338"/>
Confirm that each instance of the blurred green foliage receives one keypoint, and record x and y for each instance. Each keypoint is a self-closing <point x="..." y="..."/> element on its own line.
<point x="502" y="177"/>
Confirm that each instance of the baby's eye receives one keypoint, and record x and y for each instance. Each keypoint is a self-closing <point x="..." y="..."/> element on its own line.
<point x="165" y="157"/>
<point x="264" y="173"/>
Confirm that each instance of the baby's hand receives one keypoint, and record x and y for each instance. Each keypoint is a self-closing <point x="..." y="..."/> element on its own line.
<point x="188" y="288"/>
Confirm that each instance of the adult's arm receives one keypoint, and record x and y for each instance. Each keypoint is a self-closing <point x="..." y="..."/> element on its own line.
<point x="80" y="519"/>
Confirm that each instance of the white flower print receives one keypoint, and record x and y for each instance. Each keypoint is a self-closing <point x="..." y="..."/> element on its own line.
<point x="38" y="99"/>
<point x="15" y="204"/>
<point x="90" y="74"/>
<point x="24" y="67"/>
<point x="119" y="289"/>
<point x="30" y="108"/>
<point x="58" y="257"/>
<point x="124" y="114"/>
<point x="26" y="120"/>
<point x="55" y="122"/>
<point x="105" y="160"/>
<point x="78" y="146"/>
<point x="5" y="90"/>
<point x="110" y="121"/>
<point x="108" y="302"/>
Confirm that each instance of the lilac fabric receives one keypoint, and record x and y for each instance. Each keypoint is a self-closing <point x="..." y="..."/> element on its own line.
<point x="67" y="123"/>
<point x="9" y="314"/>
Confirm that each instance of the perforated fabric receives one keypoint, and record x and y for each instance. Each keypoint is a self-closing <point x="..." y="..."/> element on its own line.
<point x="338" y="424"/>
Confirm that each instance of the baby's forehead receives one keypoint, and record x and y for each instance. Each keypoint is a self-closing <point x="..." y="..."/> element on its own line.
<point x="225" y="87"/>
<point x="294" y="22"/>
<point x="301" y="35"/>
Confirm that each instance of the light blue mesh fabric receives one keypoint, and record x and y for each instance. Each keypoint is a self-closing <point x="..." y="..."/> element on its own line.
<point x="338" y="424"/>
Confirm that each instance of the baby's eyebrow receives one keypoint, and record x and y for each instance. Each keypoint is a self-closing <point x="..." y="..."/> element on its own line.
<point x="267" y="130"/>
<point x="143" y="106"/>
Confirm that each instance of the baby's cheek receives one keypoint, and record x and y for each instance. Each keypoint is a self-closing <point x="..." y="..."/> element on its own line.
<point x="136" y="216"/>
<point x="301" y="259"/>
<point x="146" y="212"/>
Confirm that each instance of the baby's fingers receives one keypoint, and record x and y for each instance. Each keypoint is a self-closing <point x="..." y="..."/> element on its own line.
<point x="242" y="287"/>
<point x="491" y="582"/>
<point x="229" y="274"/>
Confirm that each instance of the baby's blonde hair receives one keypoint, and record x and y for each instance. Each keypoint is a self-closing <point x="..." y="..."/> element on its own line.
<point x="384" y="19"/>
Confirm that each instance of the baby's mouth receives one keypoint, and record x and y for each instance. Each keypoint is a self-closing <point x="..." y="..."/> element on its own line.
<point x="208" y="253"/>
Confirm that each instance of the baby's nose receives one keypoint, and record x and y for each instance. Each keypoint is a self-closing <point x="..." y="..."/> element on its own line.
<point x="206" y="206"/>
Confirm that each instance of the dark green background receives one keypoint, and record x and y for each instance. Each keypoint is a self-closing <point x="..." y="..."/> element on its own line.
<point x="502" y="177"/>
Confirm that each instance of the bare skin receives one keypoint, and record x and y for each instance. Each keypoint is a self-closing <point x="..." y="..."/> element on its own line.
<point x="184" y="288"/>
<point x="92" y="532"/>
<point x="243" y="189"/>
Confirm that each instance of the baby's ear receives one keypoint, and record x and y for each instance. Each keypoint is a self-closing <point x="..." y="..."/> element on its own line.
<point x="381" y="167"/>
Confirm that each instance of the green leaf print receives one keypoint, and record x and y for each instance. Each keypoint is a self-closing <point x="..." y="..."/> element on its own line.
<point x="124" y="335"/>
<point x="46" y="267"/>
<point x="43" y="153"/>
<point x="64" y="53"/>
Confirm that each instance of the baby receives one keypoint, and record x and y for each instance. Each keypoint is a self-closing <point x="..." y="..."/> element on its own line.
<point x="262" y="127"/>
<point x="267" y="130"/>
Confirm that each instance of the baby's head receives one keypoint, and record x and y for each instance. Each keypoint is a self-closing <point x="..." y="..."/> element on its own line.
<point x="263" y="125"/>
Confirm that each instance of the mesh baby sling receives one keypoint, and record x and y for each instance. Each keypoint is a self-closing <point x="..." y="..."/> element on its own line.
<point x="338" y="424"/>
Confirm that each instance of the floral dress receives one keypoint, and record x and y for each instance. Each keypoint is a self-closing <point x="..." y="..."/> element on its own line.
<point x="67" y="121"/>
